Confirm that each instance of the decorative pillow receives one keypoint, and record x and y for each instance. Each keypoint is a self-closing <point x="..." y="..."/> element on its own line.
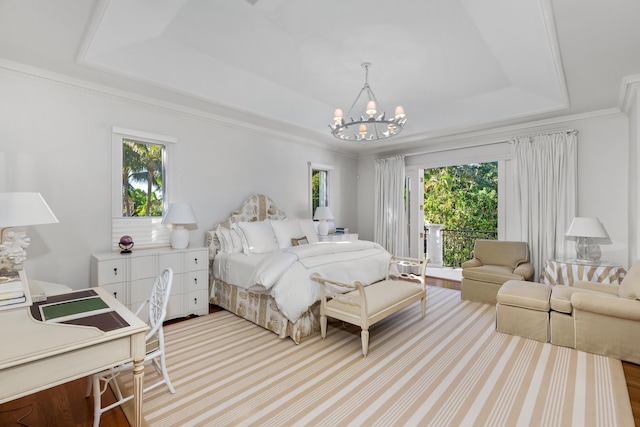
<point x="224" y="247"/>
<point x="236" y="241"/>
<point x="630" y="285"/>
<point x="232" y="240"/>
<point x="309" y="230"/>
<point x="258" y="237"/>
<point x="297" y="241"/>
<point x="285" y="231"/>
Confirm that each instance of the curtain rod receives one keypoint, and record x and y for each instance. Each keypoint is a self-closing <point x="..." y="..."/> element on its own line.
<point x="568" y="132"/>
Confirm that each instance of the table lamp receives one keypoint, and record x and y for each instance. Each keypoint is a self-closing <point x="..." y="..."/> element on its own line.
<point x="181" y="216"/>
<point x="323" y="213"/>
<point x="18" y="210"/>
<point x="588" y="232"/>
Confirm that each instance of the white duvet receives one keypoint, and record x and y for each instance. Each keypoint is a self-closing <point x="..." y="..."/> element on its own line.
<point x="285" y="273"/>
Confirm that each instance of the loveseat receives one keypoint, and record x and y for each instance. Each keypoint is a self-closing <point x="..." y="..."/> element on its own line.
<point x="494" y="263"/>
<point x="599" y="318"/>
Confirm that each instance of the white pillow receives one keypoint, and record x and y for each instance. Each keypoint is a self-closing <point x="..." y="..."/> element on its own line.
<point x="308" y="229"/>
<point x="236" y="241"/>
<point x="224" y="246"/>
<point x="258" y="237"/>
<point x="228" y="243"/>
<point x="285" y="230"/>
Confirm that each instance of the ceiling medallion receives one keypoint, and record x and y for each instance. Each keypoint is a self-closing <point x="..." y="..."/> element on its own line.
<point x="371" y="127"/>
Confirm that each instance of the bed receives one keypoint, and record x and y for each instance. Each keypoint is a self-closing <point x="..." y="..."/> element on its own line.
<point x="261" y="263"/>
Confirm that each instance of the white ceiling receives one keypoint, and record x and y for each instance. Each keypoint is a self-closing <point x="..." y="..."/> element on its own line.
<point x="454" y="65"/>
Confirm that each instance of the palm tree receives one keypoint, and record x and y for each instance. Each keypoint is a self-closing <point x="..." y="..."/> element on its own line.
<point x="146" y="168"/>
<point x="130" y="164"/>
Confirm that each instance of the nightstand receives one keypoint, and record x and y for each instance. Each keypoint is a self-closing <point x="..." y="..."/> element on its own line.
<point x="338" y="237"/>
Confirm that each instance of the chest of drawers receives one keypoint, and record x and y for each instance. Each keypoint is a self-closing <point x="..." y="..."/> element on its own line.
<point x="129" y="278"/>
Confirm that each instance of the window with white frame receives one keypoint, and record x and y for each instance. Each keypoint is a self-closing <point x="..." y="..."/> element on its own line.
<point x="319" y="187"/>
<point x="140" y="186"/>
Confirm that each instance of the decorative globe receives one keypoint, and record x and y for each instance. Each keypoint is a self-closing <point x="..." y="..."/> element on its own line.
<point x="126" y="243"/>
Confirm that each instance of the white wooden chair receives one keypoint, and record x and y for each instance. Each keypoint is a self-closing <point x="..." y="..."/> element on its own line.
<point x="366" y="305"/>
<point x="155" y="350"/>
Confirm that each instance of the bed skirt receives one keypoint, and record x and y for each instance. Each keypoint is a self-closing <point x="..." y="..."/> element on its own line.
<point x="262" y="310"/>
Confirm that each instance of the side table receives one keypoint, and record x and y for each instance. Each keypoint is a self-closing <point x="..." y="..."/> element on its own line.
<point x="338" y="237"/>
<point x="567" y="271"/>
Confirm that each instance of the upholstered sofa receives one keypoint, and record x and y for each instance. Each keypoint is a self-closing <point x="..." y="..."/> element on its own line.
<point x="493" y="264"/>
<point x="599" y="318"/>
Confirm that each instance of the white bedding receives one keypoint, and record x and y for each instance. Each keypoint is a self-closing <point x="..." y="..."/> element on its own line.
<point x="285" y="273"/>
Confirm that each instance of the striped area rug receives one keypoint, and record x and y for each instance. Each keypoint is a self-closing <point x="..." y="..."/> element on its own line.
<point x="450" y="368"/>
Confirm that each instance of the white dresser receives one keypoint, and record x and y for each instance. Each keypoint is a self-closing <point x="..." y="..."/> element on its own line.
<point x="129" y="278"/>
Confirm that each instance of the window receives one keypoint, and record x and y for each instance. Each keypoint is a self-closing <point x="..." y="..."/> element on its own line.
<point x="140" y="186"/>
<point x="143" y="175"/>
<point x="319" y="185"/>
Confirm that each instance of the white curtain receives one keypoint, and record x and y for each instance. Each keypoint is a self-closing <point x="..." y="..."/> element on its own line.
<point x="545" y="186"/>
<point x="389" y="217"/>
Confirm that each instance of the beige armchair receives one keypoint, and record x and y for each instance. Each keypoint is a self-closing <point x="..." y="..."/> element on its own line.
<point x="599" y="318"/>
<point x="493" y="264"/>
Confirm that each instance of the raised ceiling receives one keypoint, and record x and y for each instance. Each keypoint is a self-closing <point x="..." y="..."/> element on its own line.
<point x="455" y="65"/>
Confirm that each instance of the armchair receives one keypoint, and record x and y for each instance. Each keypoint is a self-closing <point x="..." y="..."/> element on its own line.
<point x="493" y="264"/>
<point x="599" y="318"/>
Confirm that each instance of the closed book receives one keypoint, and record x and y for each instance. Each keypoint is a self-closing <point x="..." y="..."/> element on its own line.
<point x="12" y="301"/>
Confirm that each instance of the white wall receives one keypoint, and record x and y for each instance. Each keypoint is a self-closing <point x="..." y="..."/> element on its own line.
<point x="603" y="173"/>
<point x="55" y="138"/>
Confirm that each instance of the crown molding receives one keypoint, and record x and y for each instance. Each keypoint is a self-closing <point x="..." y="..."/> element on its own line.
<point x="494" y="135"/>
<point x="286" y="134"/>
<point x="628" y="92"/>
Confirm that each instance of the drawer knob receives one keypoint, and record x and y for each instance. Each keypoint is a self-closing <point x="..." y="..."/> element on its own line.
<point x="115" y="271"/>
<point x="195" y="260"/>
<point x="115" y="295"/>
<point x="195" y="280"/>
<point x="195" y="301"/>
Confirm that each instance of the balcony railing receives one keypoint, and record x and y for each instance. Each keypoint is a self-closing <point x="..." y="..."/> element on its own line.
<point x="457" y="245"/>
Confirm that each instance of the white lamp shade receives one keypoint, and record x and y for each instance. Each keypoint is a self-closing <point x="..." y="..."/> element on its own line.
<point x="180" y="213"/>
<point x="588" y="227"/>
<point x="323" y="212"/>
<point x="20" y="209"/>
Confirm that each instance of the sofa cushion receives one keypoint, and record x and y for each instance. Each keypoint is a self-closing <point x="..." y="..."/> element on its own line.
<point x="561" y="299"/>
<point x="530" y="295"/>
<point x="630" y="285"/>
<point x="490" y="273"/>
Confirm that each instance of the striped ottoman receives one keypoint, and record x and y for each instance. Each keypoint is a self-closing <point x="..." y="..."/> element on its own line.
<point x="523" y="309"/>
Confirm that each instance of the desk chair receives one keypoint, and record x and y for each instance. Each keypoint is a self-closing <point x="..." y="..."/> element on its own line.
<point x="155" y="350"/>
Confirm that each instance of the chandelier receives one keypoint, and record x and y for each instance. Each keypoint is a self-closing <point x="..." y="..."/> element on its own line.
<point x="375" y="125"/>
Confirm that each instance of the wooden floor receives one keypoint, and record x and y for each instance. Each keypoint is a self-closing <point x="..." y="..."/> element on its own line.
<point x="66" y="406"/>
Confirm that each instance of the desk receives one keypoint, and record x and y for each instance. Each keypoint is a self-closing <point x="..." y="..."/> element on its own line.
<point x="36" y="355"/>
<point x="567" y="271"/>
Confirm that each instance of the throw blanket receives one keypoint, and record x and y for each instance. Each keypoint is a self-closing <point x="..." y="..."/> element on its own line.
<point x="286" y="272"/>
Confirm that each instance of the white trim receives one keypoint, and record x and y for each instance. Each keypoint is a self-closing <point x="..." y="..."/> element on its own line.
<point x="147" y="231"/>
<point x="151" y="137"/>
<point x="321" y="167"/>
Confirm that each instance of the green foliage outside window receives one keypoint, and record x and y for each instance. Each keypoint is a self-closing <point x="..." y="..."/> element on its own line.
<point x="465" y="200"/>
<point x="142" y="169"/>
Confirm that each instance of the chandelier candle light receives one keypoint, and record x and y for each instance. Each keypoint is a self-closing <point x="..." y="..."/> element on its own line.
<point x="371" y="128"/>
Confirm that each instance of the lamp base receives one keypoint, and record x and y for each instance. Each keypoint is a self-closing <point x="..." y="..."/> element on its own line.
<point x="179" y="237"/>
<point x="587" y="251"/>
<point x="323" y="227"/>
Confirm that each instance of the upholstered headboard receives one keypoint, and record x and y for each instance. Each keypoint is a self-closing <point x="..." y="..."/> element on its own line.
<point x="256" y="208"/>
